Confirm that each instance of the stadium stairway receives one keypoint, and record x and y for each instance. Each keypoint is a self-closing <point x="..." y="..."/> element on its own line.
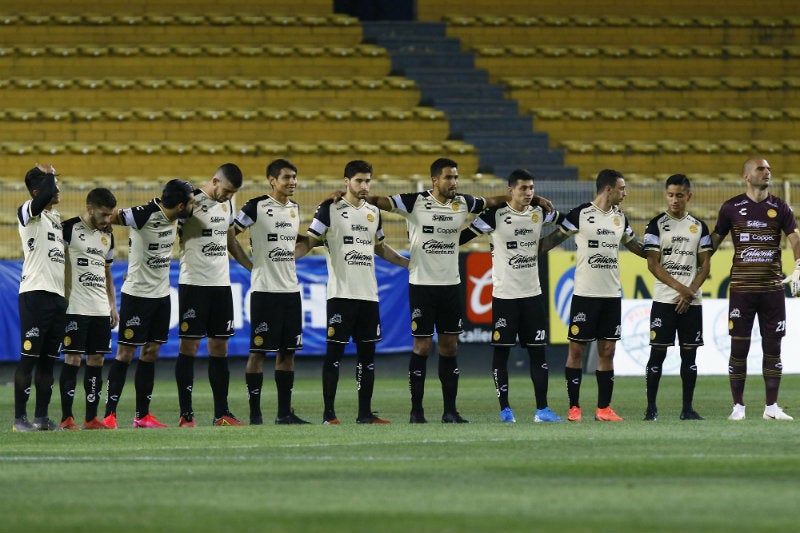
<point x="477" y="109"/>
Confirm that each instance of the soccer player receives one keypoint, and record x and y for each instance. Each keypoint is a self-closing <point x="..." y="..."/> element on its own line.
<point x="755" y="220"/>
<point x="92" y="310"/>
<point x="434" y="220"/>
<point x="518" y="308"/>
<point x="145" y="306"/>
<point x="678" y="248"/>
<point x="599" y="228"/>
<point x="276" y="314"/>
<point x="352" y="232"/>
<point x="204" y="291"/>
<point x="42" y="306"/>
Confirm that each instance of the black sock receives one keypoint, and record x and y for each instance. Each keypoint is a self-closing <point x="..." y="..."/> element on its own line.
<point x="44" y="384"/>
<point x="284" y="383"/>
<point x="116" y="381"/>
<point x="605" y="387"/>
<point x="448" y="376"/>
<point x="67" y="382"/>
<point x="184" y="377"/>
<point x="365" y="377"/>
<point x="540" y="375"/>
<point x="219" y="376"/>
<point x="500" y="374"/>
<point x="23" y="377"/>
<point x="652" y="375"/>
<point x="688" y="376"/>
<point x="254" y="382"/>
<point x="93" y="386"/>
<point x="416" y="381"/>
<point x="330" y="377"/>
<point x="574" y="376"/>
<point x="144" y="379"/>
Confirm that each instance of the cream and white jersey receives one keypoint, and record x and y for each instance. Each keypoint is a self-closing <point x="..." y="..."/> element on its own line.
<point x="203" y="241"/>
<point x="433" y="231"/>
<point x="152" y="236"/>
<point x="43" y="250"/>
<point x="89" y="250"/>
<point x="350" y="234"/>
<point x="273" y="234"/>
<point x="598" y="235"/>
<point x="680" y="242"/>
<point x="514" y="240"/>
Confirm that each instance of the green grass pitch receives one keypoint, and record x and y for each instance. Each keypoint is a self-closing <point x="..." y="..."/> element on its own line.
<point x="668" y="476"/>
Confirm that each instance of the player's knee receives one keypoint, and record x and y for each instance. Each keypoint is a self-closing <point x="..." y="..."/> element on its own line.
<point x="771" y="346"/>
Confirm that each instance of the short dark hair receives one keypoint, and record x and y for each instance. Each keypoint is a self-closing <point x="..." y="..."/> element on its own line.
<point x="101" y="197"/>
<point x="357" y="166"/>
<point x="176" y="192"/>
<point x="678" y="179"/>
<point x="34" y="179"/>
<point x="517" y="175"/>
<point x="607" y="177"/>
<point x="440" y="164"/>
<point x="274" y="168"/>
<point x="232" y="173"/>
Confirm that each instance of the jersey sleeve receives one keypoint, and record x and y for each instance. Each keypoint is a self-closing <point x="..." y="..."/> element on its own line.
<point x="629" y="234"/>
<point x="110" y="254"/>
<point x="476" y="204"/>
<point x="486" y="222"/>
<point x="788" y="222"/>
<point x="322" y="220"/>
<point x="247" y="215"/>
<point x="66" y="229"/>
<point x="652" y="235"/>
<point x="723" y="221"/>
<point x="136" y="217"/>
<point x="571" y="223"/>
<point x="403" y="203"/>
<point x="705" y="238"/>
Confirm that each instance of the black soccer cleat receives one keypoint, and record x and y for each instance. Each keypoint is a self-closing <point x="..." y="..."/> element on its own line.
<point x="291" y="418"/>
<point x="651" y="414"/>
<point x="454" y="418"/>
<point x="690" y="414"/>
<point x="417" y="418"/>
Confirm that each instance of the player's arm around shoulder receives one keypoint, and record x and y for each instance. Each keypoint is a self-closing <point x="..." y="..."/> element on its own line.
<point x="384" y="251"/>
<point x="381" y="202"/>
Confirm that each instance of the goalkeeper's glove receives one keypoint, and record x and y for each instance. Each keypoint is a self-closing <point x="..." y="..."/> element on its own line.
<point x="793" y="279"/>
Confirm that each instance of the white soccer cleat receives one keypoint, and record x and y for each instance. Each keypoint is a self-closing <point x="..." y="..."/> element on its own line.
<point x="773" y="412"/>
<point x="737" y="413"/>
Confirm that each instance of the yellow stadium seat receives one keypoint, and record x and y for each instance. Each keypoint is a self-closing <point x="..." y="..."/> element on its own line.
<point x="792" y="113"/>
<point x="644" y="83"/>
<point x="738" y="83"/>
<point x="553" y="51"/>
<point x="554" y="20"/>
<point x="645" y="51"/>
<point x="54" y="114"/>
<point x="706" y="83"/>
<point x="124" y="50"/>
<point x="80" y="148"/>
<point x="672" y="147"/>
<point x="613" y="83"/>
<point x="768" y="83"/>
<point x="148" y="114"/>
<point x="242" y="148"/>
<point x="736" y="113"/>
<point x="426" y="148"/>
<point x="366" y="147"/>
<point x="766" y="113"/>
<point x="188" y="51"/>
<point x="397" y="148"/>
<point x="209" y="148"/>
<point x="589" y="22"/>
<point x="305" y="114"/>
<point x="673" y="113"/>
<point x="460" y="20"/>
<point x="156" y="51"/>
<point x="369" y="83"/>
<point x="335" y="148"/>
<point x="94" y="50"/>
<point x="517" y="83"/>
<point x="63" y="51"/>
<point x="740" y="22"/>
<point x="458" y="147"/>
<point x="739" y="51"/>
<point x="704" y="113"/>
<point x="32" y="51"/>
<point x="268" y="148"/>
<point x="575" y="113"/>
<point x="36" y="19"/>
<point x="553" y="83"/>
<point x="341" y="51"/>
<point x="520" y="51"/>
<point x="337" y="114"/>
<point x="577" y="147"/>
<point x="121" y="83"/>
<point x="735" y="147"/>
<point x="648" y="21"/>
<point x="152" y="83"/>
<point x="491" y="51"/>
<point x="159" y="19"/>
<point x="679" y="52"/>
<point x="370" y="50"/>
<point x="585" y="51"/>
<point x="190" y="19"/>
<point x="492" y="20"/>
<point x="767" y="147"/>
<point x="15" y="148"/>
<point x="792" y="146"/>
<point x="679" y="22"/>
<point x="617" y="21"/>
<point x="642" y="113"/>
<point x="642" y="147"/>
<point x="338" y="83"/>
<point x="252" y="19"/>
<point x="547" y="113"/>
<point x="146" y="148"/>
<point x="366" y="114"/>
<point x="308" y="83"/>
<point x="310" y="51"/>
<point x="23" y="115"/>
<point x="703" y="146"/>
<point x="180" y="114"/>
<point x="610" y="114"/>
<point x="394" y="113"/>
<point x="129" y="20"/>
<point x="524" y="20"/>
<point x="50" y="148"/>
<point x="274" y="114"/>
<point x="218" y="50"/>
<point x="283" y="20"/>
<point x="212" y="114"/>
<point x="303" y="148"/>
<point x="615" y="51"/>
<point x="221" y="20"/>
<point x="87" y="114"/>
<point x="113" y="148"/>
<point x="609" y="147"/>
<point x="675" y="83"/>
<point x="709" y="22"/>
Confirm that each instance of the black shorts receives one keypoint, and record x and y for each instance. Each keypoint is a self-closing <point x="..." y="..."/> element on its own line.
<point x="594" y="318"/>
<point x="205" y="311"/>
<point x="523" y="317"/>
<point x="143" y="320"/>
<point x="435" y="306"/>
<point x="41" y="321"/>
<point x="276" y="321"/>
<point x="665" y="322"/>
<point x="358" y="319"/>
<point x="87" y="334"/>
<point x="770" y="307"/>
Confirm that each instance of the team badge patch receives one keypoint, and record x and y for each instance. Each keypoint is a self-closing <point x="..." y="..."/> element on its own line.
<point x="771" y="213"/>
<point x="67" y="340"/>
<point x="184" y="326"/>
<point x="574" y="329"/>
<point x="258" y="340"/>
<point x="413" y="325"/>
<point x="331" y="331"/>
<point x="27" y="345"/>
<point x="128" y="333"/>
<point x="496" y="335"/>
<point x="652" y="335"/>
<point x="370" y="217"/>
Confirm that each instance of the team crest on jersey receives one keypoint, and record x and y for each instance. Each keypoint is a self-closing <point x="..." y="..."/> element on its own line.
<point x="454" y="206"/>
<point x="292" y="213"/>
<point x="535" y="218"/>
<point x="128" y="334"/>
<point x="617" y="221"/>
<point x="496" y="335"/>
<point x="331" y="331"/>
<point x="258" y="340"/>
<point x="184" y="326"/>
<point x="27" y="345"/>
<point x="104" y="240"/>
<point x="692" y="229"/>
<point x="224" y="208"/>
<point x="413" y="325"/>
<point x="771" y="213"/>
<point x="370" y="217"/>
<point x="67" y="340"/>
<point x="652" y="335"/>
<point x="574" y="329"/>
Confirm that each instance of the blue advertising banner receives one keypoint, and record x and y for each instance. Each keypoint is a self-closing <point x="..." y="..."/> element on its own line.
<point x="312" y="274"/>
